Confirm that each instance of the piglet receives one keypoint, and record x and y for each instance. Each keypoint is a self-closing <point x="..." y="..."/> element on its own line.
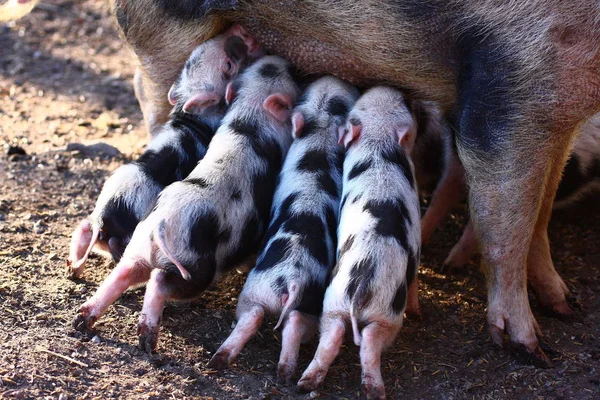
<point x="214" y="219"/>
<point x="290" y="276"/>
<point x="379" y="238"/>
<point x="130" y="192"/>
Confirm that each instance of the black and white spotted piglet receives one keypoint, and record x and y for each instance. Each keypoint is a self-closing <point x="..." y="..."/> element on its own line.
<point x="379" y="238"/>
<point x="129" y="193"/>
<point x="216" y="218"/>
<point x="290" y="276"/>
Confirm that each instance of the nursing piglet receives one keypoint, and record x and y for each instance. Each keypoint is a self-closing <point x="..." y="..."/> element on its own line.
<point x="130" y="192"/>
<point x="214" y="219"/>
<point x="291" y="273"/>
<point x="379" y="238"/>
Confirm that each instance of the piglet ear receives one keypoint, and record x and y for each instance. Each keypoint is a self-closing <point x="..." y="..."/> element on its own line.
<point x="297" y="124"/>
<point x="235" y="48"/>
<point x="279" y="105"/>
<point x="254" y="49"/>
<point x="406" y="137"/>
<point x="348" y="133"/>
<point x="200" y="102"/>
<point x="229" y="93"/>
<point x="172" y="96"/>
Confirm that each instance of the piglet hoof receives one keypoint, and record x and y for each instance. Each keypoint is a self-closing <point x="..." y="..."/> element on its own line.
<point x="537" y="357"/>
<point x="307" y="384"/>
<point x="147" y="337"/>
<point x="220" y="360"/>
<point x="372" y="392"/>
<point x="84" y="322"/>
<point x="285" y="374"/>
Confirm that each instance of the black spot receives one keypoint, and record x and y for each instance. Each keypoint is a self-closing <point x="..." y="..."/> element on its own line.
<point x="311" y="299"/>
<point x="486" y="103"/>
<point x="119" y="222"/>
<point x="392" y="219"/>
<point x="193" y="125"/>
<point x="202" y="271"/>
<point x="332" y="223"/>
<point x="313" y="161"/>
<point x="311" y="233"/>
<point x="280" y="286"/>
<point x="328" y="184"/>
<point x="247" y="246"/>
<point x="273" y="254"/>
<point x="311" y="126"/>
<point x="339" y="159"/>
<point x="398" y="157"/>
<point x="160" y="166"/>
<point x="204" y="234"/>
<point x="284" y="213"/>
<point x="224" y="235"/>
<point x="265" y="148"/>
<point x="355" y="121"/>
<point x="359" y="168"/>
<point x="336" y="106"/>
<point x="347" y="245"/>
<point x="269" y="71"/>
<point x="262" y="194"/>
<point x="361" y="276"/>
<point x="572" y="180"/>
<point x="399" y="301"/>
<point x="200" y="182"/>
<point x="188" y="10"/>
<point x="411" y="266"/>
<point x="236" y="195"/>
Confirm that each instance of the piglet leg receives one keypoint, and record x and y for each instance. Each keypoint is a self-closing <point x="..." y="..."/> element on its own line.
<point x="332" y="337"/>
<point x="150" y="317"/>
<point x="412" y="301"/>
<point x="249" y="321"/>
<point x="126" y="274"/>
<point x="449" y="192"/>
<point x="299" y="328"/>
<point x="375" y="338"/>
<point x="461" y="253"/>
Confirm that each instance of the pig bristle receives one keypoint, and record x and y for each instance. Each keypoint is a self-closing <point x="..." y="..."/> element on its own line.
<point x="163" y="247"/>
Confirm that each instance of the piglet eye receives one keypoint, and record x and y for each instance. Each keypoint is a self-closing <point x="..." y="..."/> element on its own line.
<point x="228" y="67"/>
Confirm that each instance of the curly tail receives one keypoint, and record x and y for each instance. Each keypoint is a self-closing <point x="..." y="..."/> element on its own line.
<point x="163" y="247"/>
<point x="292" y="301"/>
<point x="357" y="302"/>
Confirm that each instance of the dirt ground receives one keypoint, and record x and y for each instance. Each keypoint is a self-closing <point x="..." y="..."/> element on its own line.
<point x="65" y="77"/>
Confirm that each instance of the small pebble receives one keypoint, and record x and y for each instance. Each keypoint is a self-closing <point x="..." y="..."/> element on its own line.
<point x="63" y="396"/>
<point x="96" y="339"/>
<point x="314" y="394"/>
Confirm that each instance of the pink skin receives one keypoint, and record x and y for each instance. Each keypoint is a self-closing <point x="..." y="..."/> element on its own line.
<point x="449" y="192"/>
<point x="375" y="338"/>
<point x="81" y="244"/>
<point x="412" y="302"/>
<point x="247" y="326"/>
<point x="150" y="317"/>
<point x="299" y="328"/>
<point x="126" y="274"/>
<point x="332" y="337"/>
<point x="461" y="253"/>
